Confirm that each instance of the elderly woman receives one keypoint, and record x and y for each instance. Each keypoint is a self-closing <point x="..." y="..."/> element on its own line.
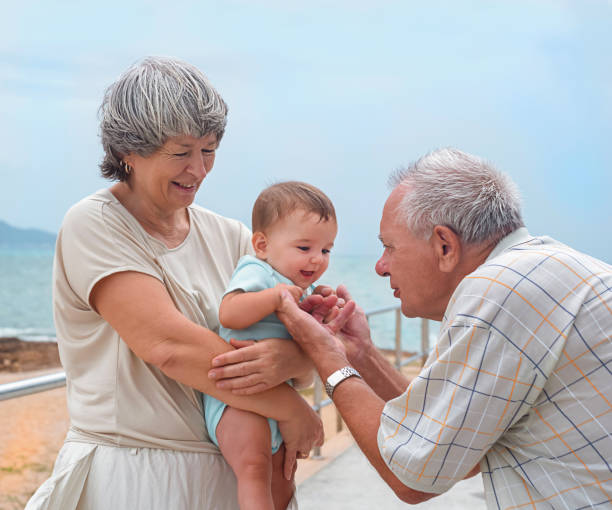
<point x="138" y="277"/>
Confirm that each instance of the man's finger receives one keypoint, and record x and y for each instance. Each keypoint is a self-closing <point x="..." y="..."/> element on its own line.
<point x="333" y="313"/>
<point x="343" y="292"/>
<point x="343" y="315"/>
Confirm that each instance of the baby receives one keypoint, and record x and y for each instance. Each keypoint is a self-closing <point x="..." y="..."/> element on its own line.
<point x="294" y="228"/>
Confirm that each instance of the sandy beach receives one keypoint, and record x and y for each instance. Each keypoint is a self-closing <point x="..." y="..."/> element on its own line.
<point x="32" y="430"/>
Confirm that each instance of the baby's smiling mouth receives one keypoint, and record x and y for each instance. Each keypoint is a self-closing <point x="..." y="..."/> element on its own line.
<point x="307" y="274"/>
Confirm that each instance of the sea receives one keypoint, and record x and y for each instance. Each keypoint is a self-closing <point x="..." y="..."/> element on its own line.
<point x="26" y="305"/>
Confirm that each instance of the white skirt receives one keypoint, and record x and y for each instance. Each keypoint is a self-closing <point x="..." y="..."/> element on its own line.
<point x="97" y="477"/>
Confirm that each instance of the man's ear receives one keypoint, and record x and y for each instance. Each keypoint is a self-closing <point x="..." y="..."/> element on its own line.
<point x="260" y="244"/>
<point x="447" y="247"/>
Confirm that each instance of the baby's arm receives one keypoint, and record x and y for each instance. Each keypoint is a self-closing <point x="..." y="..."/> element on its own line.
<point x="240" y="309"/>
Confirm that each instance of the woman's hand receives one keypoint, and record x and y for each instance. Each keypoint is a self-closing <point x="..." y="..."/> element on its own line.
<point x="302" y="432"/>
<point x="258" y="366"/>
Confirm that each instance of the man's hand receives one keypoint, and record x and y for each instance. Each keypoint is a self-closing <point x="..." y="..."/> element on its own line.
<point x="316" y="338"/>
<point x="355" y="331"/>
<point x="323" y="304"/>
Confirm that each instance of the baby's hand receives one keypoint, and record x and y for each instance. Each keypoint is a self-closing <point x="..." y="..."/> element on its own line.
<point x="295" y="291"/>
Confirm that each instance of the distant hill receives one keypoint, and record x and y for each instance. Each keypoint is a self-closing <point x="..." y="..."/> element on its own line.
<point x="13" y="236"/>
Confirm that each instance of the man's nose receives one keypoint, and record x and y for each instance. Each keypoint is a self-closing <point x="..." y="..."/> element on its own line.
<point x="381" y="266"/>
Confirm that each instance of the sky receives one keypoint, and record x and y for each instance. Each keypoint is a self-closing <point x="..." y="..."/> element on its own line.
<point x="338" y="94"/>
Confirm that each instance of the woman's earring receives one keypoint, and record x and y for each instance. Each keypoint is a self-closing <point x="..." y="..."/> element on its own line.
<point x="127" y="168"/>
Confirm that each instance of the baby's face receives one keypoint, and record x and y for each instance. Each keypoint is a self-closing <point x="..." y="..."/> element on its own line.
<point x="298" y="246"/>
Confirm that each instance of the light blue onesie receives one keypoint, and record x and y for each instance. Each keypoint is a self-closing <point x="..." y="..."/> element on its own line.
<point x="250" y="275"/>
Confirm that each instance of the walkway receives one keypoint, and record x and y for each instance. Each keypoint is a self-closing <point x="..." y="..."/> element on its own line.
<point x="349" y="482"/>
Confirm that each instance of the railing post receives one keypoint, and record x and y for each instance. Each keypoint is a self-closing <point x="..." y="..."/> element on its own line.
<point x="318" y="393"/>
<point x="398" y="339"/>
<point x="424" y="340"/>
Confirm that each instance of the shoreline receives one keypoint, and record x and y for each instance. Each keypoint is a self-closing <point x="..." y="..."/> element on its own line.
<point x="18" y="355"/>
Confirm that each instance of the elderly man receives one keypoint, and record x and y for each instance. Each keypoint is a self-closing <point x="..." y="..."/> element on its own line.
<point x="518" y="385"/>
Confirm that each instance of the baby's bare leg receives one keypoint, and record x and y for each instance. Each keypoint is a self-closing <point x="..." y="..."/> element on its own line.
<point x="244" y="440"/>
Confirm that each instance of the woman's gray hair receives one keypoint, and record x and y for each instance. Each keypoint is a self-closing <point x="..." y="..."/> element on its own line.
<point x="156" y="99"/>
<point x="461" y="191"/>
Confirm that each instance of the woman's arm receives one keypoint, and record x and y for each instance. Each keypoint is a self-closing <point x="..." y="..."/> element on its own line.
<point x="241" y="309"/>
<point x="139" y="308"/>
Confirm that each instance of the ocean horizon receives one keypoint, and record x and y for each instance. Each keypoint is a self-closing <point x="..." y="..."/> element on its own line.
<point x="26" y="309"/>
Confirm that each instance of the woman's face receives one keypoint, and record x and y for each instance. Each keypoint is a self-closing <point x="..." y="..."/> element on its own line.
<point x="170" y="177"/>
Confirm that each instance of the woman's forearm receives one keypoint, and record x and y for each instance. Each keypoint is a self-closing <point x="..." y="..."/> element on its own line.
<point x="186" y="357"/>
<point x="139" y="308"/>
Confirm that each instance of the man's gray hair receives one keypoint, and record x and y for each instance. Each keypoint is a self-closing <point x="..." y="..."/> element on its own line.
<point x="156" y="99"/>
<point x="461" y="191"/>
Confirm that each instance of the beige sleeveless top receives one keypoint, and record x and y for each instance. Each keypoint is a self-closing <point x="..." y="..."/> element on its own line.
<point x="113" y="396"/>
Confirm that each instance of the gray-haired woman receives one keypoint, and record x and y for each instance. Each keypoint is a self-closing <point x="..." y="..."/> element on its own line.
<point x="138" y="277"/>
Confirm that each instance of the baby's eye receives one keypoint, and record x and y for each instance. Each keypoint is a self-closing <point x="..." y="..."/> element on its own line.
<point x="303" y="248"/>
<point x="325" y="252"/>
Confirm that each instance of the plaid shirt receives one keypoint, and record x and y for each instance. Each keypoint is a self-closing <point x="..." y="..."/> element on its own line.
<point x="519" y="380"/>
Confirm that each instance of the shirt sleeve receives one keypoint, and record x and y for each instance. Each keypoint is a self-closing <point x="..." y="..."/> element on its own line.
<point x="478" y="382"/>
<point x="250" y="278"/>
<point x="94" y="243"/>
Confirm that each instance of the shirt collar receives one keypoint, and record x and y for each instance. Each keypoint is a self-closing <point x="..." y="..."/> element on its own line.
<point x="520" y="235"/>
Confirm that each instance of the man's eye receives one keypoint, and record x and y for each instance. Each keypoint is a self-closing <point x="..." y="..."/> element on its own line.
<point x="180" y="154"/>
<point x="303" y="248"/>
<point x="208" y="151"/>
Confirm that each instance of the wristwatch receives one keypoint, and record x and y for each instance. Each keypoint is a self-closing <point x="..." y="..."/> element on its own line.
<point x="337" y="377"/>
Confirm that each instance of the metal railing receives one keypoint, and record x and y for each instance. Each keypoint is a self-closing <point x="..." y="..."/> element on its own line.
<point x="56" y="380"/>
<point x="33" y="385"/>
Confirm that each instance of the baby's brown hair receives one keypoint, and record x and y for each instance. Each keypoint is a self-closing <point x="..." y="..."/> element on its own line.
<point x="283" y="198"/>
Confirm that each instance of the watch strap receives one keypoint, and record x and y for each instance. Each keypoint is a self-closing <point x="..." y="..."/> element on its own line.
<point x="337" y="377"/>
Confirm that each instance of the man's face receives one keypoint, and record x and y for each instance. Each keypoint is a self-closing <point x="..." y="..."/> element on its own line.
<point x="411" y="265"/>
